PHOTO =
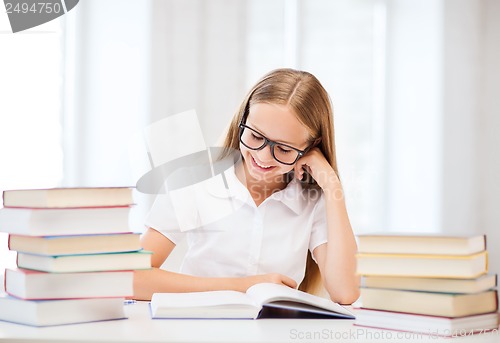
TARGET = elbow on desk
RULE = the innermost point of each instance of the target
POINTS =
(346, 297)
(343, 291)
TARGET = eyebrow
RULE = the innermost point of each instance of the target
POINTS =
(282, 142)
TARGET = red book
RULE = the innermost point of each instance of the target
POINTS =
(67, 221)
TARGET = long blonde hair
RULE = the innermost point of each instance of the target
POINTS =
(309, 101)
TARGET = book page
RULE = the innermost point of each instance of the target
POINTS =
(265, 293)
(201, 299)
(212, 304)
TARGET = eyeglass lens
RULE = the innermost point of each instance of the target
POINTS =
(255, 141)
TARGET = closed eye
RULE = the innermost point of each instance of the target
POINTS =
(283, 150)
(256, 137)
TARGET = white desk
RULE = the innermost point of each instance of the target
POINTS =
(140, 328)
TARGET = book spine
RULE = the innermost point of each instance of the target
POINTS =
(496, 300)
(70, 207)
(422, 256)
(429, 276)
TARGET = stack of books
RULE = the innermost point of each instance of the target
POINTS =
(432, 284)
(75, 255)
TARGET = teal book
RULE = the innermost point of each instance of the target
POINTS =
(85, 263)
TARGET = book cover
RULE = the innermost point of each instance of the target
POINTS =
(85, 263)
(75, 244)
(430, 325)
(419, 243)
(74, 221)
(429, 303)
(34, 285)
(440, 285)
(59, 312)
(437, 266)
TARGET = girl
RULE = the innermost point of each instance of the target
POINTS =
(292, 226)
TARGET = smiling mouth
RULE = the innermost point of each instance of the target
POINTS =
(261, 167)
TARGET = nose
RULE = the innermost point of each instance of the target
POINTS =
(265, 155)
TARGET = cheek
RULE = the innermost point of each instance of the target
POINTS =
(246, 153)
(244, 150)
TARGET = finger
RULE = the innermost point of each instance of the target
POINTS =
(299, 171)
(288, 281)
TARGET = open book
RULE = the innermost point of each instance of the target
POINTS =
(260, 300)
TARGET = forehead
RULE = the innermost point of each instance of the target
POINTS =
(278, 122)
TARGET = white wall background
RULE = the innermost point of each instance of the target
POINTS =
(30, 112)
(415, 86)
(487, 124)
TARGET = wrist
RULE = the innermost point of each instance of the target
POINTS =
(328, 181)
(334, 191)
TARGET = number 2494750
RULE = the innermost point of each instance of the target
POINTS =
(34, 8)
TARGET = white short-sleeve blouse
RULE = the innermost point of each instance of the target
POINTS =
(271, 238)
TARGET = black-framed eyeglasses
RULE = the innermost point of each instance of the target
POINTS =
(282, 153)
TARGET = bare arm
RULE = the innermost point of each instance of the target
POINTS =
(336, 258)
(156, 280)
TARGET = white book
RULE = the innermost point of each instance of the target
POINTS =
(421, 243)
(68, 197)
(75, 244)
(286, 301)
(438, 285)
(74, 221)
(59, 312)
(430, 303)
(29, 284)
(85, 263)
(414, 265)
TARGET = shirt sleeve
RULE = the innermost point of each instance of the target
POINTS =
(162, 218)
(319, 230)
